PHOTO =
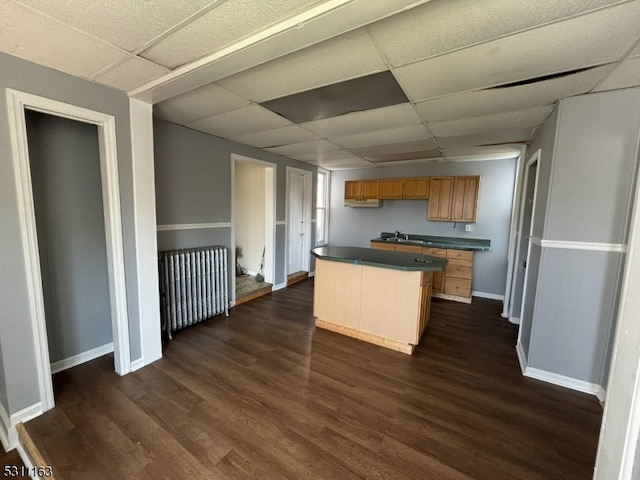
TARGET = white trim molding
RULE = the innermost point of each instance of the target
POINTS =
(567, 382)
(8, 432)
(514, 320)
(81, 358)
(279, 286)
(17, 103)
(536, 241)
(281, 222)
(137, 364)
(192, 226)
(522, 357)
(588, 246)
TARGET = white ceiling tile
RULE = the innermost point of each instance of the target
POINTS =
(228, 22)
(276, 137)
(480, 151)
(382, 137)
(626, 75)
(342, 164)
(504, 136)
(199, 103)
(250, 119)
(345, 57)
(126, 24)
(40, 39)
(491, 123)
(315, 147)
(131, 74)
(441, 26)
(334, 156)
(593, 39)
(404, 147)
(360, 122)
(488, 101)
(635, 52)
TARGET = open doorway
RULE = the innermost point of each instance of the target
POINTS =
(104, 125)
(253, 227)
(299, 185)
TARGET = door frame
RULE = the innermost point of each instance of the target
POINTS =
(269, 214)
(306, 216)
(534, 159)
(17, 103)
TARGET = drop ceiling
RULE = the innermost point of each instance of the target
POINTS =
(342, 83)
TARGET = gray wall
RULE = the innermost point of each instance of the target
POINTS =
(18, 349)
(588, 199)
(65, 172)
(193, 185)
(357, 226)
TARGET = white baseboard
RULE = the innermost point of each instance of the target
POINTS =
(280, 286)
(137, 364)
(522, 357)
(8, 432)
(514, 320)
(567, 382)
(312, 274)
(81, 358)
(490, 296)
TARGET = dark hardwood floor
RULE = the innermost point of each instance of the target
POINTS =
(262, 394)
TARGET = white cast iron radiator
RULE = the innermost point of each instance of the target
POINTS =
(193, 286)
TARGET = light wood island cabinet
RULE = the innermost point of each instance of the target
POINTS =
(386, 306)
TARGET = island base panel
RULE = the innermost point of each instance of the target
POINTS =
(366, 337)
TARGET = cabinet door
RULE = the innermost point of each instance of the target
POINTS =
(465, 199)
(440, 198)
(415, 188)
(425, 303)
(352, 189)
(391, 188)
(370, 189)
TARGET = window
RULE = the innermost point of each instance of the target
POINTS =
(322, 207)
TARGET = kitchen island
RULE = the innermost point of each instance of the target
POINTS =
(378, 296)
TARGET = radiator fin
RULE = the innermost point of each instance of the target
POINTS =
(193, 286)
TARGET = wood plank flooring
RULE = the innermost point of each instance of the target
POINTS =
(262, 394)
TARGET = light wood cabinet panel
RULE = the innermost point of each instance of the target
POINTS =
(425, 302)
(391, 188)
(458, 287)
(352, 189)
(440, 198)
(464, 205)
(383, 246)
(370, 189)
(361, 189)
(459, 269)
(415, 188)
(409, 248)
(460, 254)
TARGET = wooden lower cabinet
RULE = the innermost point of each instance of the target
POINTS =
(454, 283)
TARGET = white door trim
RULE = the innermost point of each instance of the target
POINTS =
(535, 158)
(17, 102)
(306, 212)
(270, 219)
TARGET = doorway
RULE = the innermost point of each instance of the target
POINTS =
(253, 227)
(527, 260)
(18, 103)
(298, 224)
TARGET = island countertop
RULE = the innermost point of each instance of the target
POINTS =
(452, 243)
(380, 258)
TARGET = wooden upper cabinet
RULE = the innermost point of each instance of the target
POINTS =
(454, 199)
(440, 198)
(415, 188)
(370, 189)
(391, 188)
(464, 206)
(352, 189)
(361, 189)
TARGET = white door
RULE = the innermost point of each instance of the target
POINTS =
(295, 223)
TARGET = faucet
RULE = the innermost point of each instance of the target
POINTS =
(397, 234)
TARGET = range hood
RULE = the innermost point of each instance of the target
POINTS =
(373, 202)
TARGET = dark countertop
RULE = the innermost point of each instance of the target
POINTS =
(380, 258)
(454, 243)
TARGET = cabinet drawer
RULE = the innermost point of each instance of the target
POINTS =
(459, 269)
(460, 254)
(409, 248)
(435, 252)
(383, 246)
(460, 287)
